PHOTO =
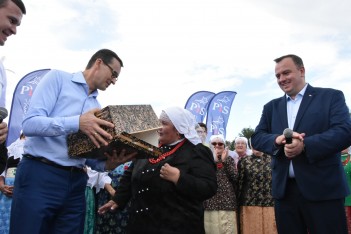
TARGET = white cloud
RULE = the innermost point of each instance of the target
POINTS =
(174, 48)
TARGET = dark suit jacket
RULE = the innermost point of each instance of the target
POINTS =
(324, 117)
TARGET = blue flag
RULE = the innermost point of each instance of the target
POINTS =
(20, 102)
(218, 113)
(197, 104)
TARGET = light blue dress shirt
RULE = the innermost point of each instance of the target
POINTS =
(56, 105)
(3, 84)
(293, 106)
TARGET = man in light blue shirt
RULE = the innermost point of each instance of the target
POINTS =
(49, 194)
(292, 107)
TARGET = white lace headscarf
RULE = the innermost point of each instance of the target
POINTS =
(220, 137)
(244, 139)
(216, 138)
(184, 121)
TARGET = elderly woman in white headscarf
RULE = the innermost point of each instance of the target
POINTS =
(254, 193)
(167, 193)
(242, 149)
(220, 210)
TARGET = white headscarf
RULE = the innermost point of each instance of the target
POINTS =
(213, 138)
(244, 139)
(220, 137)
(184, 121)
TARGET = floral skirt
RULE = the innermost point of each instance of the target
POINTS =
(5, 203)
(112, 222)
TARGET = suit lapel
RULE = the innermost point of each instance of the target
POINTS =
(283, 112)
(306, 100)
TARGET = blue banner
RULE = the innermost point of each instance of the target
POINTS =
(198, 103)
(218, 113)
(20, 102)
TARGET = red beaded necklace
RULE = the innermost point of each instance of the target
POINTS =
(219, 165)
(219, 162)
(347, 160)
(165, 155)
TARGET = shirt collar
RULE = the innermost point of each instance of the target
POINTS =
(301, 93)
(79, 78)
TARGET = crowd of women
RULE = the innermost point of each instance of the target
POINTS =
(243, 202)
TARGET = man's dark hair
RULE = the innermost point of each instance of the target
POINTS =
(105, 55)
(296, 59)
(18, 3)
(203, 125)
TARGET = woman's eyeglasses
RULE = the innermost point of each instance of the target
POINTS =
(217, 143)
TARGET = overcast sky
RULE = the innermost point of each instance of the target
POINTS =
(173, 48)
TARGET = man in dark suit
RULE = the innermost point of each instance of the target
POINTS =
(308, 181)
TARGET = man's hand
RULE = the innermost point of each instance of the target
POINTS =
(170, 173)
(114, 160)
(109, 206)
(90, 125)
(296, 147)
(3, 132)
(280, 140)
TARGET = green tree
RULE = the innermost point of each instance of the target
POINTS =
(247, 132)
(230, 145)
